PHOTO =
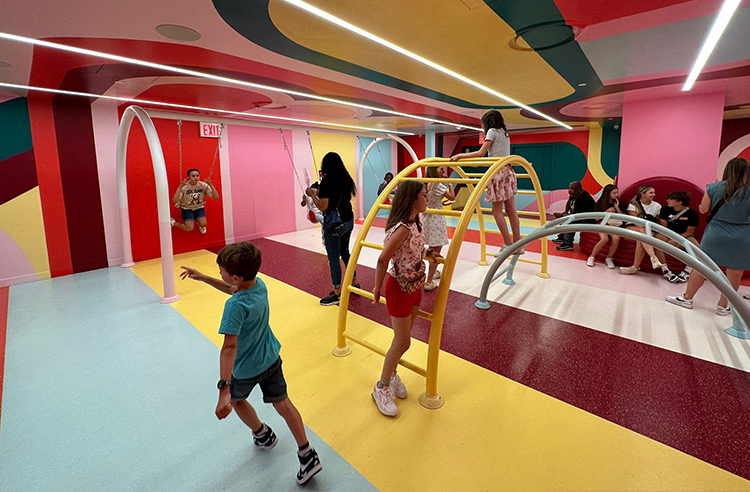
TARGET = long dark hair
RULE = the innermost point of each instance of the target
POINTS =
(603, 203)
(403, 204)
(737, 177)
(493, 119)
(333, 170)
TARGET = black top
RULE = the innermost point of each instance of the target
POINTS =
(688, 219)
(581, 204)
(337, 195)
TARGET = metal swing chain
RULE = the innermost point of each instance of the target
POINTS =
(283, 138)
(179, 143)
(216, 152)
(312, 153)
(367, 160)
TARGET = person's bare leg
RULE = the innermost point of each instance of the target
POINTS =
(613, 246)
(603, 238)
(247, 414)
(187, 226)
(293, 419)
(497, 212)
(399, 346)
(639, 254)
(512, 213)
(693, 284)
(735, 278)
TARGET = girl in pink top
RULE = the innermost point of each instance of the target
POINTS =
(404, 244)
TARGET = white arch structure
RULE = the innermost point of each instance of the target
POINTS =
(162, 197)
(360, 177)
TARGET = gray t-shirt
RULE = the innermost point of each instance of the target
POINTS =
(500, 142)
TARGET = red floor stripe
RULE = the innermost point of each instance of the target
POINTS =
(691, 405)
(4, 291)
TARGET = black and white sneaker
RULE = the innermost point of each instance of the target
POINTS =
(557, 240)
(266, 438)
(671, 277)
(330, 300)
(309, 466)
(565, 247)
(682, 277)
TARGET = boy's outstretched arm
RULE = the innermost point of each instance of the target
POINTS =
(226, 362)
(213, 282)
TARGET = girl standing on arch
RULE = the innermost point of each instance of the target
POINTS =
(190, 198)
(503, 187)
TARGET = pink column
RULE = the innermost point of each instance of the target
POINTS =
(677, 136)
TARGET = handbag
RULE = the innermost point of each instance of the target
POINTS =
(412, 282)
(713, 212)
(332, 223)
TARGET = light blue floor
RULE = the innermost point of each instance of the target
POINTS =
(105, 389)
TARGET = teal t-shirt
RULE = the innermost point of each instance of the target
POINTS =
(246, 315)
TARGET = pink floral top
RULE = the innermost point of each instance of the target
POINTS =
(408, 256)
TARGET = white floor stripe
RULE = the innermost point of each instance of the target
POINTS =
(632, 306)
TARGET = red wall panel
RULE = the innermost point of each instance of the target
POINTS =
(197, 153)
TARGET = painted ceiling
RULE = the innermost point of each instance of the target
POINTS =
(575, 60)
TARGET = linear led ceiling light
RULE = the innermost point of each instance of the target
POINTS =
(194, 73)
(199, 108)
(720, 24)
(342, 23)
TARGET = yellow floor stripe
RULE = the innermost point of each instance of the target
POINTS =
(491, 434)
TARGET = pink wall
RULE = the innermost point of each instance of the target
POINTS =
(677, 137)
(263, 184)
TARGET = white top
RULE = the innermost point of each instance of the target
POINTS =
(652, 208)
(500, 142)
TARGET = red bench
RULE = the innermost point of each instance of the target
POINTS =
(626, 250)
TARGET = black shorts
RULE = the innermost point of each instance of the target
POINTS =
(271, 383)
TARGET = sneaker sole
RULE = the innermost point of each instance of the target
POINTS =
(330, 303)
(677, 303)
(315, 470)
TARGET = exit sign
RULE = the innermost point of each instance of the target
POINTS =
(210, 130)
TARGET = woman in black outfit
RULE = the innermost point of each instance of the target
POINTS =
(336, 191)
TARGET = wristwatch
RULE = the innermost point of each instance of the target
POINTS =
(222, 383)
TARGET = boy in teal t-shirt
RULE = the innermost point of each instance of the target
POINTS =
(250, 353)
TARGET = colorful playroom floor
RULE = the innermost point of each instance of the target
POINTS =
(588, 380)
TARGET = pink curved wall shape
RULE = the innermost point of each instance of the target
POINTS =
(676, 136)
(262, 183)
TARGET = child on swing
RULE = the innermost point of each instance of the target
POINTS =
(503, 187)
(405, 245)
(190, 198)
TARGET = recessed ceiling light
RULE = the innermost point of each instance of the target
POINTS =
(350, 27)
(197, 108)
(582, 84)
(194, 73)
(178, 33)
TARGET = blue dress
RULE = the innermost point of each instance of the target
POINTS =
(727, 236)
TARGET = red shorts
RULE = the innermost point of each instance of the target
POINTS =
(400, 304)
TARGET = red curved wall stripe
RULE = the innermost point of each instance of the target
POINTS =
(50, 184)
(197, 152)
(80, 183)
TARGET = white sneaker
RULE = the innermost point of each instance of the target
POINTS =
(680, 301)
(428, 286)
(746, 296)
(397, 386)
(202, 229)
(172, 221)
(655, 263)
(590, 261)
(500, 251)
(437, 274)
(631, 270)
(384, 400)
(723, 311)
(610, 264)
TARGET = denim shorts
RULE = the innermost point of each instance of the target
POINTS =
(192, 214)
(271, 382)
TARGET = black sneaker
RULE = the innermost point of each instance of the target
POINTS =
(309, 466)
(357, 286)
(565, 247)
(330, 300)
(267, 440)
(557, 240)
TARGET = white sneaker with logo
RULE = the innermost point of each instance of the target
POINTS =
(397, 386)
(590, 261)
(202, 229)
(384, 400)
(610, 264)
